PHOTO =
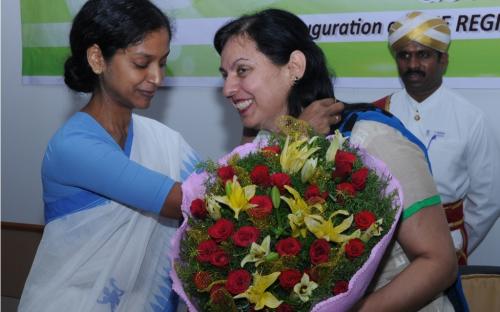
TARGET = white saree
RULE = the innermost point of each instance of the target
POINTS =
(112, 257)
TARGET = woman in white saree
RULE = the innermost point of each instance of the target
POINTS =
(110, 176)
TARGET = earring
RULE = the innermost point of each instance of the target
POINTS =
(296, 80)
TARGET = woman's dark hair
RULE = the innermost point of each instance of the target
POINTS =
(277, 34)
(112, 25)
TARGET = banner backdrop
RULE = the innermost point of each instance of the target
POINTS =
(353, 35)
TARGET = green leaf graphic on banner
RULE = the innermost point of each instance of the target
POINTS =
(44, 11)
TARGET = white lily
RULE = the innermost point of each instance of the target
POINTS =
(305, 288)
(335, 144)
(258, 253)
(308, 169)
(213, 208)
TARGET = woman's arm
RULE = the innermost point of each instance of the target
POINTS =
(80, 159)
(426, 240)
(423, 234)
(172, 206)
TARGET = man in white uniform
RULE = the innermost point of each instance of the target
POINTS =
(453, 130)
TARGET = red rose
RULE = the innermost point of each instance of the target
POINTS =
(219, 258)
(272, 149)
(284, 307)
(225, 173)
(238, 281)
(354, 248)
(246, 235)
(346, 188)
(364, 219)
(288, 247)
(280, 180)
(343, 164)
(202, 279)
(264, 206)
(198, 209)
(314, 195)
(312, 191)
(205, 249)
(260, 176)
(340, 287)
(289, 277)
(221, 230)
(358, 178)
(319, 251)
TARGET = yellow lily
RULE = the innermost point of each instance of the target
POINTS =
(322, 228)
(305, 288)
(257, 293)
(335, 144)
(295, 153)
(300, 209)
(213, 208)
(258, 253)
(237, 197)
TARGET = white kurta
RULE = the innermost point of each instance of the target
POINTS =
(461, 153)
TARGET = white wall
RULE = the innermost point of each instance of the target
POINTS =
(31, 114)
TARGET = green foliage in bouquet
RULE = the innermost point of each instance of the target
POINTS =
(283, 227)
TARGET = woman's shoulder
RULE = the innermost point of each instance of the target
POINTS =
(78, 126)
(78, 134)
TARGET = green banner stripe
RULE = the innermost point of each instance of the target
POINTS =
(196, 61)
(44, 61)
(468, 58)
(480, 57)
(373, 59)
(45, 11)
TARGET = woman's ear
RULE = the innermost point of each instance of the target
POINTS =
(95, 59)
(297, 64)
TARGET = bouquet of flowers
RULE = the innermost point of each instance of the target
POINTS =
(293, 223)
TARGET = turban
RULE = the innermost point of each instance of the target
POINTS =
(429, 31)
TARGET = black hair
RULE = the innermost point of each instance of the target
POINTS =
(112, 25)
(277, 33)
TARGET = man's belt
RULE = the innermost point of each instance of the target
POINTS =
(455, 216)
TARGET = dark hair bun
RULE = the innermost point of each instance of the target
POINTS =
(78, 75)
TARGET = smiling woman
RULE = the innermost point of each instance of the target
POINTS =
(272, 47)
(269, 69)
(109, 176)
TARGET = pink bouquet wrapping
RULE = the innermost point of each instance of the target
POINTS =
(290, 224)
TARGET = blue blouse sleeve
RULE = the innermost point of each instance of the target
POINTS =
(89, 161)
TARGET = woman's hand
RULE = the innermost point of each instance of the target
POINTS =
(321, 114)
